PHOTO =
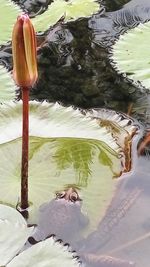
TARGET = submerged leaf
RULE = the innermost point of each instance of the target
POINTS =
(70, 10)
(8, 13)
(131, 54)
(46, 253)
(14, 233)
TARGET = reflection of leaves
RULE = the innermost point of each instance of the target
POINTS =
(77, 153)
(105, 159)
(105, 260)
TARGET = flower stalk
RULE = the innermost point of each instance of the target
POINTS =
(25, 149)
(25, 75)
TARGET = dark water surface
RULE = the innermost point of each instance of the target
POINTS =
(74, 69)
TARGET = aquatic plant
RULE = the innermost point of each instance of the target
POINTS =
(25, 75)
(48, 252)
(12, 10)
(14, 231)
(58, 127)
(72, 9)
(68, 147)
(8, 90)
(130, 55)
(69, 10)
(60, 138)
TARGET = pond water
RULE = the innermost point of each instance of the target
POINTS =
(75, 69)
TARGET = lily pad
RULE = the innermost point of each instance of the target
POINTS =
(14, 233)
(67, 148)
(46, 253)
(53, 166)
(8, 14)
(52, 120)
(7, 85)
(130, 55)
(70, 10)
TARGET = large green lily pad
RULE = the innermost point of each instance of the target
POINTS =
(56, 163)
(131, 54)
(67, 148)
(8, 14)
(14, 234)
(70, 10)
(7, 85)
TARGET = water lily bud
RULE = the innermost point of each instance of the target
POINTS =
(24, 52)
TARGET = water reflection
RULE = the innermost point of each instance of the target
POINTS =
(141, 109)
(131, 236)
(107, 27)
(74, 68)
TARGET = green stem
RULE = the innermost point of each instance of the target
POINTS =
(25, 149)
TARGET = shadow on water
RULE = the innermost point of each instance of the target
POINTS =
(74, 68)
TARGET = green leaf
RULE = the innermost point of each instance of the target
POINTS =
(14, 233)
(52, 120)
(49, 172)
(46, 253)
(7, 86)
(81, 8)
(70, 10)
(8, 14)
(104, 159)
(67, 148)
(131, 54)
